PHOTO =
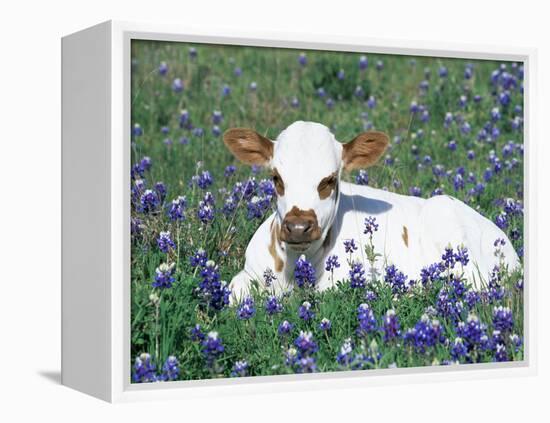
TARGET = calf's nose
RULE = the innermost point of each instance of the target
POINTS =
(298, 228)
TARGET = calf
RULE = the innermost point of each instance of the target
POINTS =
(317, 212)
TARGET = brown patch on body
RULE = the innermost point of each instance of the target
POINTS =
(300, 226)
(405, 236)
(326, 185)
(278, 182)
(278, 261)
(248, 146)
(364, 150)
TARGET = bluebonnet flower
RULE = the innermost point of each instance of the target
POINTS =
(217, 117)
(149, 201)
(198, 132)
(449, 258)
(458, 349)
(471, 155)
(196, 334)
(229, 171)
(468, 71)
(302, 59)
(216, 131)
(501, 220)
(212, 289)
(273, 305)
(332, 263)
(370, 295)
(305, 343)
(465, 128)
(212, 347)
(160, 189)
(462, 101)
(325, 324)
(341, 74)
(285, 327)
(396, 279)
(269, 277)
(425, 116)
(367, 320)
(349, 245)
(448, 120)
(371, 102)
(516, 342)
(240, 369)
(253, 86)
(170, 369)
(363, 62)
(357, 275)
(500, 353)
(345, 356)
(473, 332)
(416, 191)
(177, 208)
(305, 364)
(136, 226)
(504, 98)
(192, 52)
(164, 276)
(443, 72)
(177, 85)
(295, 102)
(503, 319)
(425, 334)
(203, 180)
(414, 108)
(431, 273)
(184, 120)
(359, 92)
(362, 178)
(447, 305)
(329, 103)
(246, 309)
(237, 71)
(451, 145)
(379, 65)
(304, 273)
(198, 258)
(137, 131)
(144, 369)
(305, 312)
(258, 206)
(472, 298)
(461, 256)
(370, 225)
(391, 326)
(164, 242)
(205, 212)
(226, 90)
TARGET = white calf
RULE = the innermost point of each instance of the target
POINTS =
(316, 212)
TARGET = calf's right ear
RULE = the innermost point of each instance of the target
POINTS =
(364, 150)
(248, 146)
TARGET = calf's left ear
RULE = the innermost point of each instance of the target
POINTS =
(364, 150)
(248, 146)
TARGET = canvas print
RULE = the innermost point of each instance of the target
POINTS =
(301, 211)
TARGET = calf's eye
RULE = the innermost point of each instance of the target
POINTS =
(278, 183)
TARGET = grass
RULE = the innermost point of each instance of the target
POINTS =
(162, 318)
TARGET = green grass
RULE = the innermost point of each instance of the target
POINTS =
(163, 330)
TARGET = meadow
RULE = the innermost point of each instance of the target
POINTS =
(456, 128)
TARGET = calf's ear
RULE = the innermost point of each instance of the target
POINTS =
(248, 146)
(364, 150)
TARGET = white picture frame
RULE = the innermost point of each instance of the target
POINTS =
(96, 210)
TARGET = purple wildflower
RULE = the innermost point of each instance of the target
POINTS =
(304, 273)
(164, 276)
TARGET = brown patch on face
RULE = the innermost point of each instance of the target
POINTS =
(326, 185)
(300, 227)
(273, 250)
(248, 146)
(405, 236)
(364, 150)
(278, 182)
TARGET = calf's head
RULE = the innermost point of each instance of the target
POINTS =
(306, 162)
